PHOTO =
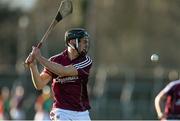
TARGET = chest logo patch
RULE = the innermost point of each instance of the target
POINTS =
(66, 79)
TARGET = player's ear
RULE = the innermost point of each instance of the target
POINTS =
(72, 41)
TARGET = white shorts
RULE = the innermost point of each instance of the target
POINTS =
(67, 115)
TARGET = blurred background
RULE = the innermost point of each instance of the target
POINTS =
(124, 35)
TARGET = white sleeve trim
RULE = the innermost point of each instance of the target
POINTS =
(83, 64)
(170, 85)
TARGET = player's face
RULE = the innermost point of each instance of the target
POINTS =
(84, 44)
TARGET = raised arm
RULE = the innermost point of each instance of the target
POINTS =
(159, 102)
(58, 69)
(55, 68)
(39, 80)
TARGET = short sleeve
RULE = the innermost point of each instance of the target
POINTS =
(84, 67)
(169, 88)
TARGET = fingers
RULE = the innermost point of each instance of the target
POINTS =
(35, 53)
(29, 59)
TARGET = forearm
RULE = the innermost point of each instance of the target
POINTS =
(36, 78)
(52, 66)
(158, 101)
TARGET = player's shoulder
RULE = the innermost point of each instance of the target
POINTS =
(173, 83)
(86, 61)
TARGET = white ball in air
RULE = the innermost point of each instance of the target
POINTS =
(154, 57)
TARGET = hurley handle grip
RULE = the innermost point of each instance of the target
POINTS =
(39, 45)
(27, 63)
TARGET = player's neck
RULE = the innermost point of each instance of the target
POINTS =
(72, 53)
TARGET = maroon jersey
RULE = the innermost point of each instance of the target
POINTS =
(172, 107)
(70, 92)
